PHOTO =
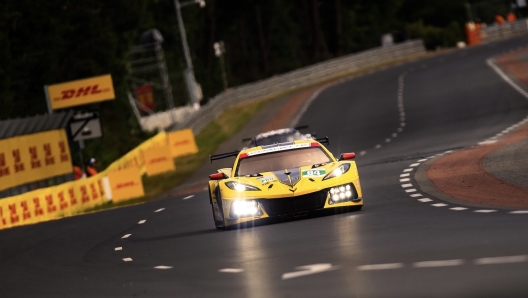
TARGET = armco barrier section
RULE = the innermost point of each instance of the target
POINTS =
(300, 78)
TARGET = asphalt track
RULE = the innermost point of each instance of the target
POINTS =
(395, 247)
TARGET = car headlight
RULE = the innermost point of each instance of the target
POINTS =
(245, 208)
(342, 193)
(240, 186)
(338, 172)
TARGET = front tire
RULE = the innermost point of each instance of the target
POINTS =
(219, 218)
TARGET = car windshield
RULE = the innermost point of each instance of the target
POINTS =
(274, 139)
(281, 160)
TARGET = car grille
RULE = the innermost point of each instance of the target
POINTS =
(307, 202)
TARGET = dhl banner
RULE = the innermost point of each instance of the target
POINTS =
(158, 160)
(126, 184)
(34, 157)
(182, 142)
(81, 92)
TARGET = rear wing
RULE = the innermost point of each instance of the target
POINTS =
(324, 140)
(223, 155)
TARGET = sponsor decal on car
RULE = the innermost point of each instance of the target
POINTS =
(278, 148)
(313, 173)
(265, 180)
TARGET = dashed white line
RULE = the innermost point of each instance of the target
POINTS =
(387, 140)
(410, 190)
(118, 248)
(488, 142)
(416, 195)
(422, 160)
(458, 208)
(380, 266)
(163, 267)
(378, 146)
(405, 175)
(142, 222)
(501, 260)
(407, 185)
(408, 170)
(405, 180)
(308, 270)
(425, 200)
(231, 270)
(159, 210)
(394, 135)
(485, 211)
(127, 259)
(443, 263)
(519, 212)
(415, 164)
(188, 197)
(126, 236)
(439, 205)
(362, 153)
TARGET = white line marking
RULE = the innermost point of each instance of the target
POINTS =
(405, 180)
(425, 200)
(380, 266)
(362, 153)
(506, 78)
(485, 211)
(407, 185)
(377, 146)
(163, 267)
(404, 175)
(519, 212)
(231, 270)
(439, 205)
(126, 236)
(118, 248)
(415, 195)
(422, 160)
(159, 210)
(308, 270)
(399, 129)
(142, 222)
(402, 124)
(458, 208)
(501, 260)
(415, 164)
(408, 170)
(488, 142)
(387, 140)
(444, 263)
(394, 135)
(410, 190)
(188, 197)
(127, 259)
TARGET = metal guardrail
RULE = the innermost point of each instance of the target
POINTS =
(504, 31)
(299, 78)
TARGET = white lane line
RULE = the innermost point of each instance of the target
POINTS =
(188, 197)
(380, 266)
(439, 205)
(394, 135)
(407, 185)
(126, 236)
(399, 129)
(422, 160)
(410, 190)
(488, 142)
(378, 146)
(142, 222)
(408, 170)
(163, 267)
(127, 259)
(231, 270)
(415, 164)
(485, 211)
(362, 153)
(308, 270)
(458, 208)
(387, 140)
(405, 175)
(405, 180)
(118, 248)
(443, 263)
(425, 200)
(501, 260)
(415, 195)
(506, 78)
(519, 212)
(159, 210)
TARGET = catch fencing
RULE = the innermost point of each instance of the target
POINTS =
(504, 31)
(300, 78)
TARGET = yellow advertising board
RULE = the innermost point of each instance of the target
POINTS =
(158, 160)
(34, 157)
(81, 92)
(182, 142)
(126, 184)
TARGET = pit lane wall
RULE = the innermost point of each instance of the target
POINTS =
(121, 181)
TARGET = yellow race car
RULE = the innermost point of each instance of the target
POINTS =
(281, 180)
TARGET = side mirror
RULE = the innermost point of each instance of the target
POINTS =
(347, 156)
(218, 176)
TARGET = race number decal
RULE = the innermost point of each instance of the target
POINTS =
(313, 173)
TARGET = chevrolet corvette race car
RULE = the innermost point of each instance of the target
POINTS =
(281, 180)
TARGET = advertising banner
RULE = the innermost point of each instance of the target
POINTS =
(81, 92)
(34, 157)
(158, 160)
(126, 184)
(182, 142)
